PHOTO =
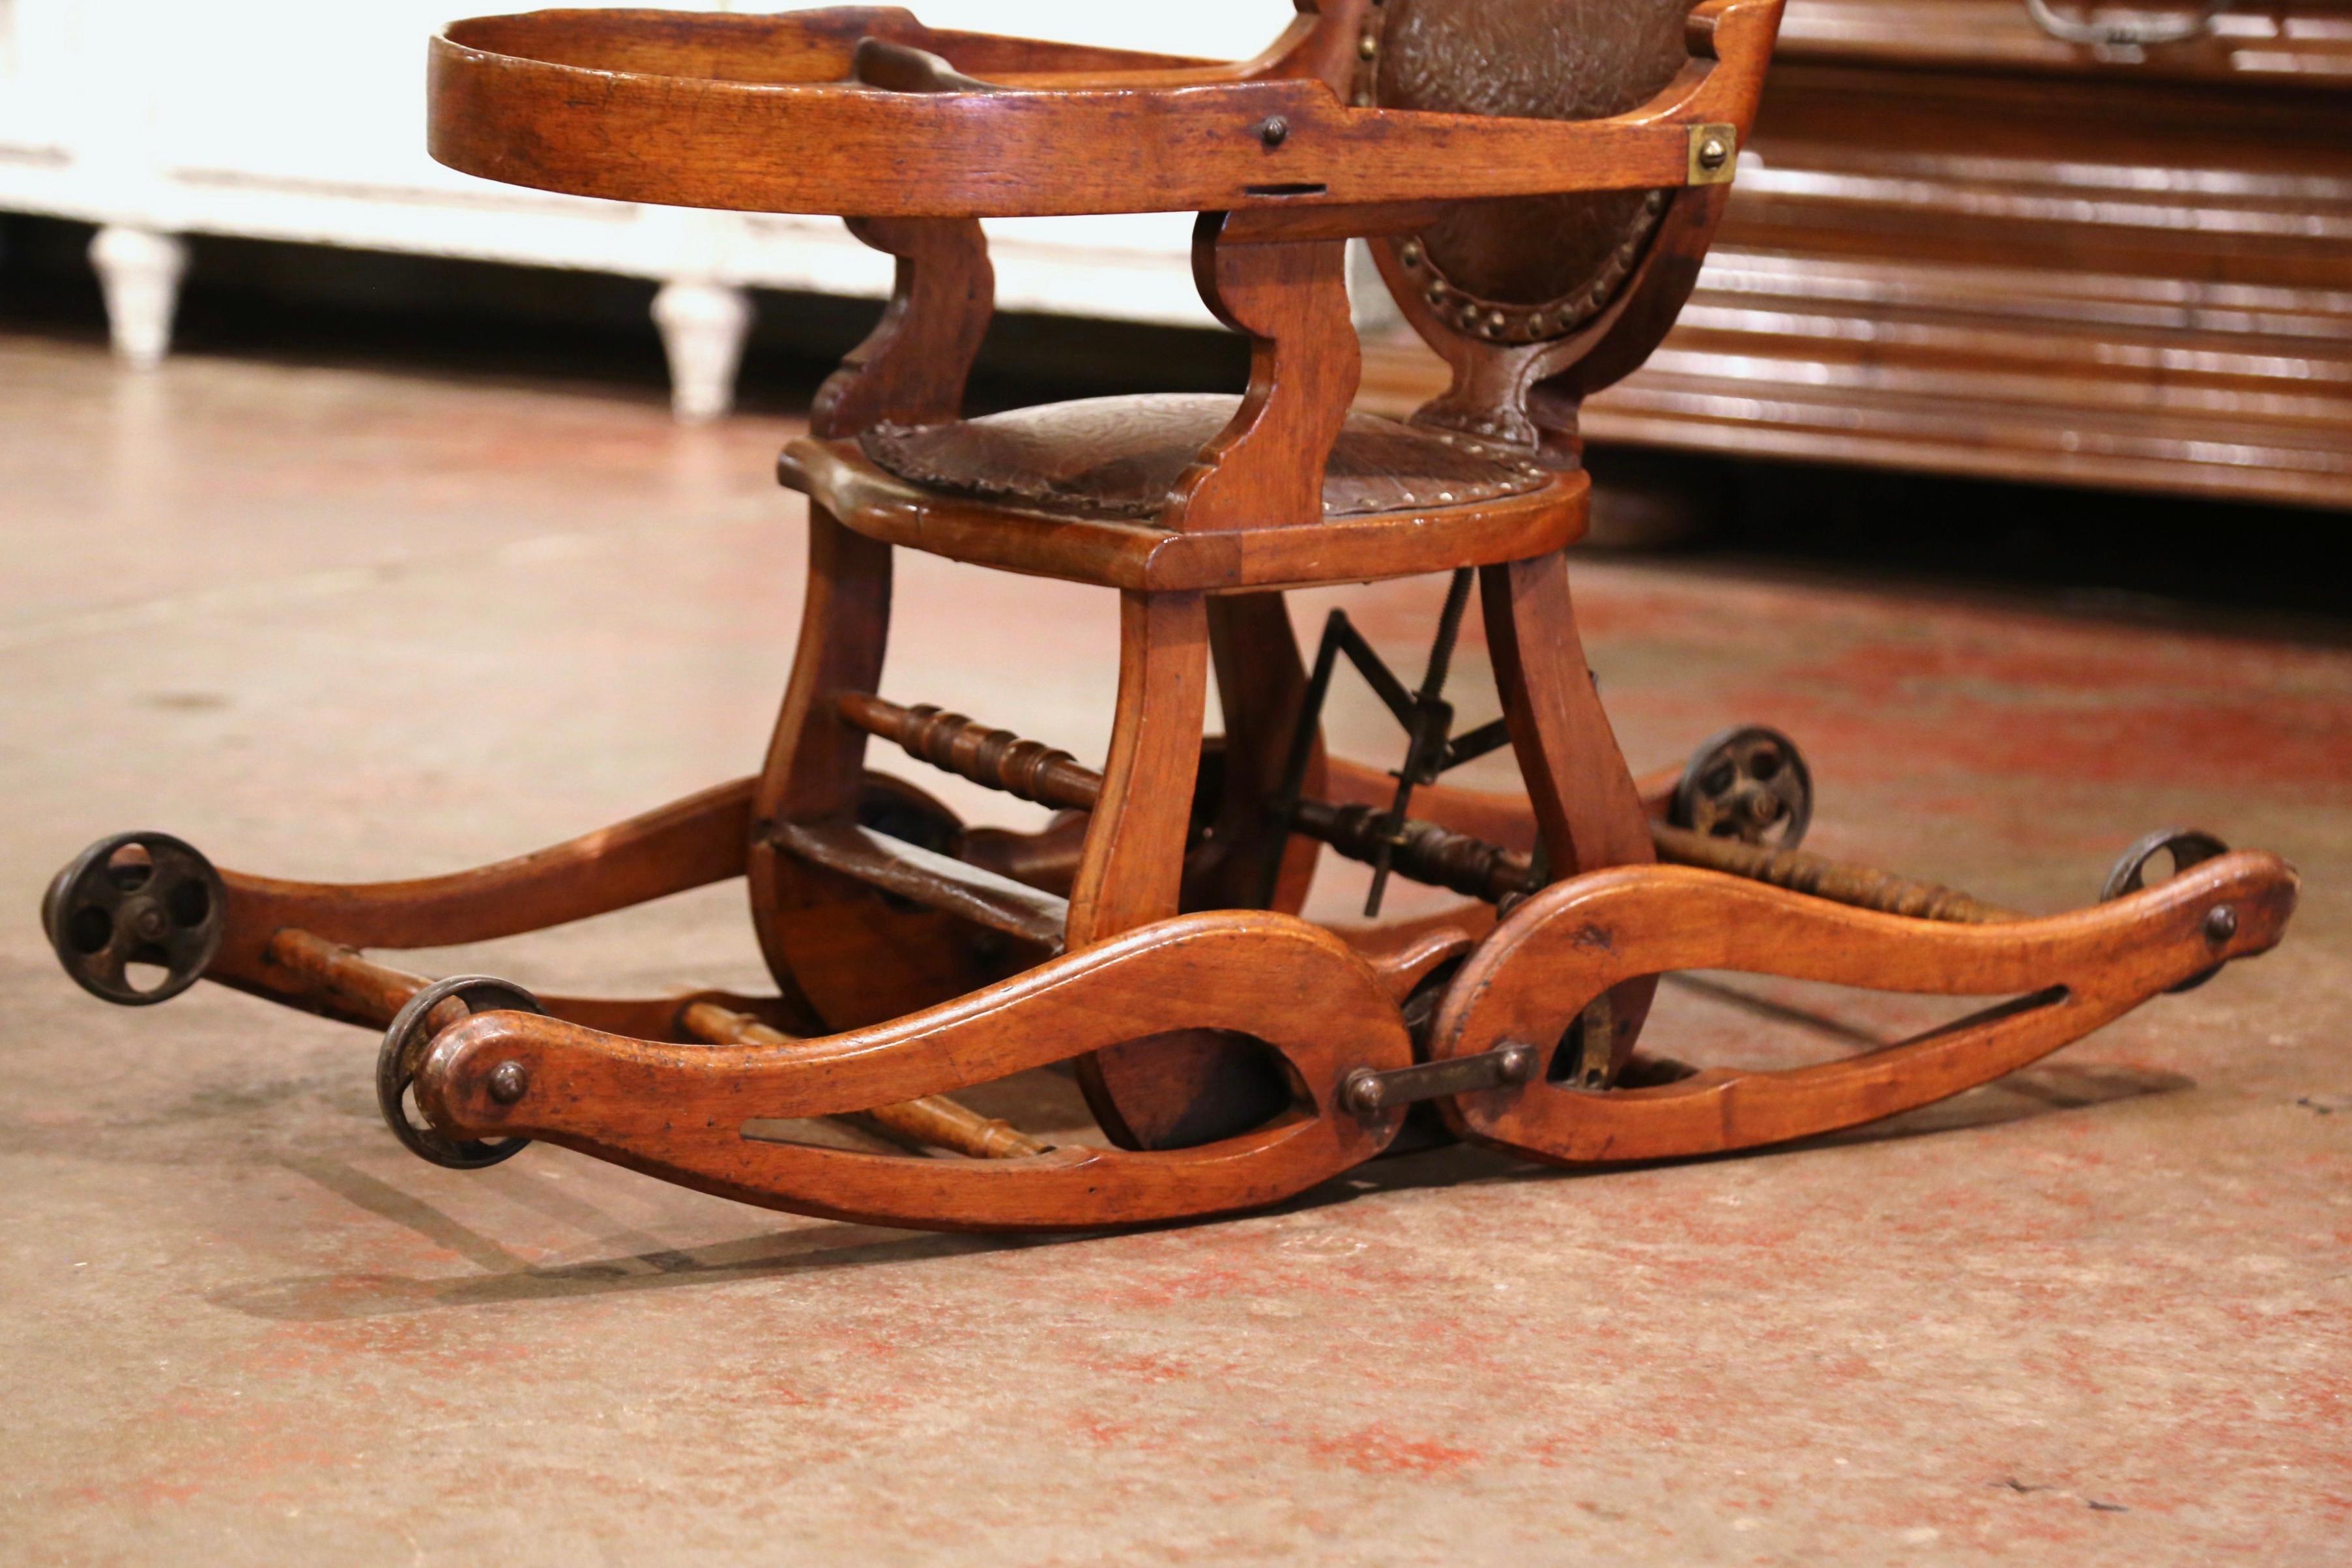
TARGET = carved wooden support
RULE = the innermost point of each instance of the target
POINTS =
(912, 366)
(1290, 298)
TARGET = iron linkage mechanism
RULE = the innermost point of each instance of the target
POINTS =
(1431, 749)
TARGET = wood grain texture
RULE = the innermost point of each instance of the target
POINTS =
(933, 1122)
(1588, 813)
(1146, 557)
(676, 1112)
(689, 843)
(913, 366)
(1290, 299)
(931, 879)
(1132, 870)
(306, 971)
(1262, 687)
(687, 111)
(1570, 943)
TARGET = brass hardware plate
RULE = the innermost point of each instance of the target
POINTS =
(1714, 155)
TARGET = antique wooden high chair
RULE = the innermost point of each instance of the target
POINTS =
(1538, 180)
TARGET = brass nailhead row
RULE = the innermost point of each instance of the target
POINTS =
(1556, 319)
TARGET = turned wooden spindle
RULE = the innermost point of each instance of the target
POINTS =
(934, 1121)
(1840, 881)
(1442, 857)
(997, 758)
(1421, 850)
(1424, 851)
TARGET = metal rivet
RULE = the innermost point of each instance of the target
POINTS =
(508, 1081)
(1713, 154)
(1275, 131)
(2220, 923)
(1445, 498)
(1411, 253)
(1362, 100)
(1519, 1064)
(1368, 46)
(1361, 1092)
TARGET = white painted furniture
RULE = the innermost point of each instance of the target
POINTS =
(303, 120)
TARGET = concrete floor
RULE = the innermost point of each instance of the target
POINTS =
(345, 625)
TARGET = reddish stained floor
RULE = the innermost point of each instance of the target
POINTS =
(345, 625)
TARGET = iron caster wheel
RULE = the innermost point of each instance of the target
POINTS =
(145, 899)
(404, 1045)
(1750, 784)
(2187, 847)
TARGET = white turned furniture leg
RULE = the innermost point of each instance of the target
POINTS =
(703, 326)
(139, 269)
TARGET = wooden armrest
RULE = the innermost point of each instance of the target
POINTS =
(765, 114)
(814, 45)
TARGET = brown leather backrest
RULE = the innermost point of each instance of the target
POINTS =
(1527, 269)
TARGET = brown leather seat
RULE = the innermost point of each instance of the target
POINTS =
(1120, 458)
(1086, 490)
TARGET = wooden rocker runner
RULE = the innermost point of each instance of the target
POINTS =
(1538, 180)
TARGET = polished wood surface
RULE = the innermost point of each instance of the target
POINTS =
(1235, 1054)
(2073, 972)
(680, 1112)
(763, 114)
(1113, 553)
(1963, 247)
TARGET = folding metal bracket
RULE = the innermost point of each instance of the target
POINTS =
(1431, 748)
(1368, 1093)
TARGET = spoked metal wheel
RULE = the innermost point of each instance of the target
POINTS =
(1750, 784)
(136, 917)
(411, 1034)
(2183, 847)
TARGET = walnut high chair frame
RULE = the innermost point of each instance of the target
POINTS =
(1540, 212)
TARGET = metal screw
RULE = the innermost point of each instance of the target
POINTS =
(509, 1082)
(1714, 153)
(2220, 923)
(1275, 131)
(149, 923)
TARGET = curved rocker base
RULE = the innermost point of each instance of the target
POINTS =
(680, 1112)
(669, 1085)
(2071, 974)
